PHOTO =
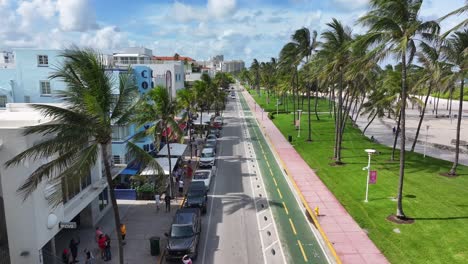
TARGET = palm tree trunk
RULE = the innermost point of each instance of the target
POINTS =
(339, 118)
(309, 138)
(422, 117)
(170, 165)
(294, 99)
(400, 214)
(453, 170)
(437, 106)
(360, 107)
(316, 100)
(346, 116)
(397, 133)
(450, 101)
(115, 208)
(368, 124)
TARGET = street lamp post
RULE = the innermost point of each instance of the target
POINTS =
(369, 153)
(277, 105)
(425, 143)
(299, 121)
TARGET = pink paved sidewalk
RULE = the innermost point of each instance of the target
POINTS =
(350, 242)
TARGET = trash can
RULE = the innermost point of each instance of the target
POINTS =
(289, 138)
(154, 246)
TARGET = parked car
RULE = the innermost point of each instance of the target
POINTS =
(184, 235)
(215, 131)
(219, 119)
(197, 196)
(208, 157)
(211, 137)
(203, 176)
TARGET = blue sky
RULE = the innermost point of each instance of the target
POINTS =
(239, 29)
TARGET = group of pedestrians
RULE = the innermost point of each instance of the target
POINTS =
(103, 241)
(70, 254)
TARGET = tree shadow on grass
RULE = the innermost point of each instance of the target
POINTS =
(440, 218)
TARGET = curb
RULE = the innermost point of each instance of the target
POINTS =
(304, 202)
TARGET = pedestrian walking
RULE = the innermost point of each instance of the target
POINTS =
(74, 249)
(89, 258)
(167, 199)
(98, 233)
(186, 259)
(157, 200)
(102, 246)
(189, 170)
(107, 249)
(394, 130)
(181, 187)
(66, 256)
(123, 232)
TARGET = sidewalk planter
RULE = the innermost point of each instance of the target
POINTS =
(154, 246)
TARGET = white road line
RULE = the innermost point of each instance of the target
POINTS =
(265, 194)
(312, 228)
(272, 244)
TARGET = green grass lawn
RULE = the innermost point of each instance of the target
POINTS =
(322, 105)
(438, 204)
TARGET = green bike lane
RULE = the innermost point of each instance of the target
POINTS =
(294, 230)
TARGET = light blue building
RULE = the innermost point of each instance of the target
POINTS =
(24, 78)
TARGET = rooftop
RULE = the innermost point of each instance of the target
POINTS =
(17, 115)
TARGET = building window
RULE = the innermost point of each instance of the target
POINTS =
(71, 186)
(103, 199)
(27, 99)
(45, 88)
(117, 159)
(120, 132)
(42, 60)
(3, 101)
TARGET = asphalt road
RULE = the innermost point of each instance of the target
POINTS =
(230, 229)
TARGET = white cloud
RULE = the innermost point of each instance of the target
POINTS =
(221, 8)
(107, 38)
(350, 5)
(35, 12)
(76, 15)
(185, 13)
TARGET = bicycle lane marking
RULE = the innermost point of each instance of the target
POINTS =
(302, 224)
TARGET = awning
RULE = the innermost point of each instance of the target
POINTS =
(177, 150)
(182, 126)
(206, 118)
(129, 171)
(164, 163)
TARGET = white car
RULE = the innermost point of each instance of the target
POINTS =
(203, 176)
(208, 157)
(218, 119)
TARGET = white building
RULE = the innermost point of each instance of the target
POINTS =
(233, 66)
(28, 228)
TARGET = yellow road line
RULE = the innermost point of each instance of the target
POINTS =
(279, 192)
(302, 250)
(292, 226)
(275, 182)
(271, 172)
(285, 208)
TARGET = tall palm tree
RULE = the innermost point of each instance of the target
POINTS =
(288, 63)
(157, 111)
(393, 27)
(336, 48)
(255, 70)
(201, 98)
(457, 12)
(456, 52)
(82, 133)
(305, 44)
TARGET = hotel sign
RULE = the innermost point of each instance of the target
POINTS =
(68, 225)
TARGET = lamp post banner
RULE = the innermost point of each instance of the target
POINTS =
(373, 177)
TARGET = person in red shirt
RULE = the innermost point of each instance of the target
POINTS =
(102, 244)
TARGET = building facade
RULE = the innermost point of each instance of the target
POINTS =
(28, 228)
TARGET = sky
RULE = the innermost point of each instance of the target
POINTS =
(200, 29)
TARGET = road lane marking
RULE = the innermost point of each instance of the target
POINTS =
(302, 250)
(279, 192)
(244, 123)
(276, 184)
(285, 208)
(292, 226)
(271, 172)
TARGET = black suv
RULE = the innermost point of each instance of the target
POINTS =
(197, 196)
(184, 235)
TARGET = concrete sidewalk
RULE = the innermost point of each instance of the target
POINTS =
(350, 242)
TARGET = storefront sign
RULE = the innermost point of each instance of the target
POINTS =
(68, 225)
(373, 177)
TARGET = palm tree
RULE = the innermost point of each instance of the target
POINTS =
(201, 100)
(458, 11)
(393, 26)
(305, 44)
(255, 70)
(456, 52)
(336, 49)
(157, 111)
(186, 99)
(82, 132)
